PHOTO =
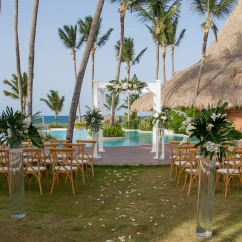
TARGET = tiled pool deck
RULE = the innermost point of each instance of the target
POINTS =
(132, 155)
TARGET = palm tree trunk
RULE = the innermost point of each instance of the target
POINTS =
(24, 105)
(80, 76)
(164, 61)
(31, 57)
(122, 16)
(205, 38)
(93, 63)
(128, 71)
(157, 57)
(55, 118)
(172, 59)
(79, 108)
(18, 67)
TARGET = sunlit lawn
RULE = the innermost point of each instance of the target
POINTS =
(120, 204)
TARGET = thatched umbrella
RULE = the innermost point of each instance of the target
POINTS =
(107, 118)
(221, 78)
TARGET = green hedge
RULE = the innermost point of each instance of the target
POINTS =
(113, 131)
(146, 124)
(132, 124)
(57, 125)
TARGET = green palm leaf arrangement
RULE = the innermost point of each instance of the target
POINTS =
(93, 118)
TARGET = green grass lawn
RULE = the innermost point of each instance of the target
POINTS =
(140, 203)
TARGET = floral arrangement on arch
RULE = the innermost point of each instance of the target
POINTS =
(162, 117)
(15, 127)
(126, 85)
(93, 118)
(213, 130)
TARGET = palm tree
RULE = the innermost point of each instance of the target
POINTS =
(14, 85)
(174, 41)
(159, 14)
(18, 67)
(124, 5)
(99, 41)
(108, 99)
(54, 102)
(210, 9)
(31, 56)
(69, 37)
(80, 76)
(129, 57)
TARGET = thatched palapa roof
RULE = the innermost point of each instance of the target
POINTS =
(107, 118)
(221, 78)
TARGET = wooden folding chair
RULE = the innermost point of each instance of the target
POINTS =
(59, 142)
(88, 157)
(191, 172)
(33, 166)
(46, 154)
(4, 164)
(77, 159)
(62, 164)
(183, 160)
(174, 154)
(231, 169)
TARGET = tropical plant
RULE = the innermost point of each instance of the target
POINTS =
(174, 41)
(31, 57)
(14, 85)
(210, 9)
(113, 131)
(175, 120)
(132, 124)
(159, 14)
(69, 37)
(99, 41)
(93, 118)
(80, 76)
(14, 126)
(213, 130)
(124, 5)
(19, 76)
(54, 102)
(146, 124)
(108, 99)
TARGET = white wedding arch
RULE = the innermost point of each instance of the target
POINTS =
(99, 91)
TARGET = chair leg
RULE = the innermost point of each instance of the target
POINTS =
(171, 167)
(39, 180)
(190, 185)
(53, 183)
(226, 186)
(185, 181)
(72, 183)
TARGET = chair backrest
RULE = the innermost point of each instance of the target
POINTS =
(78, 150)
(62, 156)
(183, 152)
(59, 142)
(90, 144)
(4, 157)
(32, 158)
(173, 148)
(46, 154)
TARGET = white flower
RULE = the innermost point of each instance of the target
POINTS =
(125, 85)
(26, 131)
(189, 128)
(212, 147)
(26, 123)
(210, 126)
(93, 120)
(163, 117)
(181, 113)
(156, 115)
(9, 133)
(135, 86)
(130, 85)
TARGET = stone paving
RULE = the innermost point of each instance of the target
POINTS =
(132, 155)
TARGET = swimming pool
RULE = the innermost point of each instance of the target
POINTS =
(132, 138)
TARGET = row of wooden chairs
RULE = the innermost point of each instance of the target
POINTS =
(186, 159)
(66, 160)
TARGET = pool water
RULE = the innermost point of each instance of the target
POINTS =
(132, 138)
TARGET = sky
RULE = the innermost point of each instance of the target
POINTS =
(54, 65)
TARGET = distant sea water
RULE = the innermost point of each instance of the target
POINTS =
(60, 119)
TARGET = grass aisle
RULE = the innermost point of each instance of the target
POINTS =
(118, 204)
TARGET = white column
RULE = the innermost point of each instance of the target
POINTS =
(95, 134)
(156, 107)
(100, 140)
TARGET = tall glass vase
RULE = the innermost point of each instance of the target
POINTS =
(205, 200)
(16, 182)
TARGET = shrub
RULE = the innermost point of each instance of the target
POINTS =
(57, 125)
(80, 125)
(132, 124)
(45, 136)
(113, 131)
(146, 124)
(175, 120)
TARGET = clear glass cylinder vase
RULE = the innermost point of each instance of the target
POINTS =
(205, 200)
(16, 183)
